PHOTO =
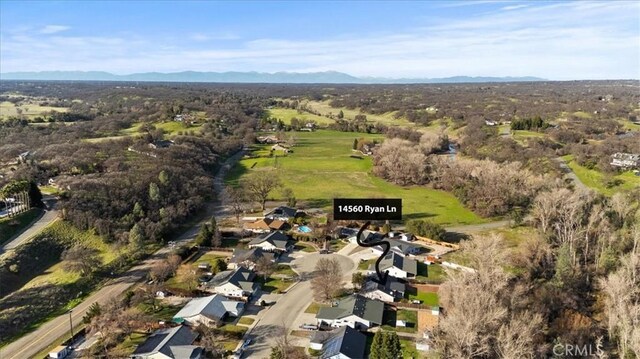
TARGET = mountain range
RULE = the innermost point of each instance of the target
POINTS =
(331, 77)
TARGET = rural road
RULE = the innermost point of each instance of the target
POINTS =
(569, 173)
(48, 333)
(50, 215)
(291, 305)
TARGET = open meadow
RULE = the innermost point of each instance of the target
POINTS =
(321, 168)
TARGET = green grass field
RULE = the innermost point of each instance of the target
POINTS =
(427, 298)
(314, 307)
(598, 181)
(320, 169)
(324, 108)
(286, 114)
(11, 226)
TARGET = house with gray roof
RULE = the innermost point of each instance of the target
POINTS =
(209, 311)
(355, 311)
(249, 257)
(170, 343)
(399, 246)
(237, 283)
(272, 242)
(342, 343)
(282, 213)
(390, 291)
(398, 266)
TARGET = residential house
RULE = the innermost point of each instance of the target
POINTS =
(398, 266)
(279, 147)
(170, 343)
(407, 237)
(391, 291)
(625, 160)
(266, 225)
(161, 144)
(355, 311)
(491, 123)
(401, 247)
(368, 236)
(24, 156)
(268, 139)
(342, 343)
(282, 213)
(272, 242)
(209, 311)
(237, 283)
(249, 257)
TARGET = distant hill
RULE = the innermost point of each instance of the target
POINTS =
(247, 77)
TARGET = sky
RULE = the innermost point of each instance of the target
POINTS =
(413, 39)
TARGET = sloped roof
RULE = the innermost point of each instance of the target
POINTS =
(259, 224)
(214, 306)
(277, 239)
(252, 254)
(240, 277)
(393, 259)
(346, 341)
(283, 211)
(170, 341)
(367, 309)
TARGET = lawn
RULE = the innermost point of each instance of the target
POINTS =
(409, 350)
(598, 181)
(426, 298)
(273, 285)
(314, 307)
(305, 247)
(410, 317)
(433, 274)
(364, 265)
(286, 114)
(320, 168)
(162, 312)
(284, 269)
(11, 226)
(246, 321)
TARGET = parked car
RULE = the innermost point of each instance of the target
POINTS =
(204, 278)
(246, 343)
(309, 327)
(415, 301)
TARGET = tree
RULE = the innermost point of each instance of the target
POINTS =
(385, 345)
(327, 279)
(219, 265)
(93, 311)
(341, 114)
(287, 193)
(138, 212)
(154, 192)
(81, 258)
(161, 271)
(260, 184)
(136, 238)
(265, 267)
(622, 290)
(215, 232)
(427, 229)
(355, 144)
(236, 198)
(210, 340)
(188, 276)
(204, 236)
(163, 177)
(358, 279)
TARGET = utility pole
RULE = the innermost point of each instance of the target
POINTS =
(70, 327)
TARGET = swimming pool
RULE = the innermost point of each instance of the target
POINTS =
(304, 229)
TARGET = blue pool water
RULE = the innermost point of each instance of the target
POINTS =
(304, 229)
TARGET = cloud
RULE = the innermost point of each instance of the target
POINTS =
(569, 40)
(513, 7)
(52, 29)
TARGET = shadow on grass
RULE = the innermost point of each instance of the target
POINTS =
(455, 237)
(419, 215)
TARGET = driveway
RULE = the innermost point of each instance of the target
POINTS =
(289, 309)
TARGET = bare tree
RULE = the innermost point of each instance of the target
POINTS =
(284, 349)
(265, 267)
(482, 318)
(81, 258)
(622, 289)
(210, 341)
(327, 279)
(161, 271)
(259, 185)
(236, 199)
(188, 276)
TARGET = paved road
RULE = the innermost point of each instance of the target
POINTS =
(50, 215)
(48, 333)
(570, 174)
(291, 305)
